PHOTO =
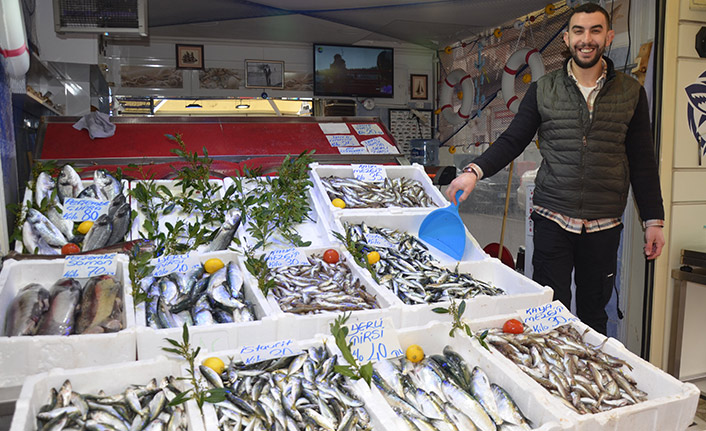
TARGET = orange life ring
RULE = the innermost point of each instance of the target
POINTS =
(458, 76)
(13, 44)
(522, 56)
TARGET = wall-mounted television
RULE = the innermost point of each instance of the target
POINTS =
(345, 70)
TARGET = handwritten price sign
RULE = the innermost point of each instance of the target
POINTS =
(84, 209)
(373, 340)
(342, 140)
(286, 257)
(89, 265)
(262, 352)
(377, 240)
(367, 129)
(165, 265)
(547, 317)
(378, 145)
(370, 173)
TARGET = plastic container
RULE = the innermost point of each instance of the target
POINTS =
(112, 379)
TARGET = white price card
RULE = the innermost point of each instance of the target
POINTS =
(377, 240)
(333, 128)
(378, 145)
(286, 257)
(370, 173)
(546, 317)
(264, 351)
(373, 340)
(89, 265)
(353, 150)
(367, 129)
(84, 209)
(167, 264)
(342, 140)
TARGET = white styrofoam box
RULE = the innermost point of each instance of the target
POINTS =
(112, 379)
(314, 230)
(432, 338)
(220, 336)
(137, 231)
(522, 293)
(299, 327)
(85, 183)
(413, 172)
(408, 223)
(670, 404)
(25, 355)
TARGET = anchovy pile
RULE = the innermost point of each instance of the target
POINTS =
(67, 308)
(442, 393)
(295, 393)
(143, 407)
(393, 192)
(320, 287)
(197, 298)
(411, 272)
(584, 377)
(46, 233)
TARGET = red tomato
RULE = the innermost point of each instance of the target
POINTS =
(513, 326)
(70, 248)
(331, 256)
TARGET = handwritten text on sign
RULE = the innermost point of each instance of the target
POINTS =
(84, 209)
(378, 145)
(262, 352)
(546, 317)
(371, 173)
(89, 265)
(286, 257)
(165, 265)
(342, 140)
(373, 340)
(367, 129)
(352, 150)
(377, 240)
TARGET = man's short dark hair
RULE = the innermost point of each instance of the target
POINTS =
(592, 8)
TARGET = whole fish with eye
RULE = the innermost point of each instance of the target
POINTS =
(224, 236)
(26, 310)
(45, 229)
(138, 407)
(101, 307)
(68, 183)
(60, 318)
(45, 196)
(392, 192)
(120, 224)
(99, 234)
(107, 184)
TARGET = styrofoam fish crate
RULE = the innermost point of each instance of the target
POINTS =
(210, 417)
(29, 196)
(670, 405)
(408, 223)
(413, 172)
(315, 229)
(137, 231)
(110, 378)
(22, 356)
(432, 338)
(299, 327)
(220, 336)
(522, 293)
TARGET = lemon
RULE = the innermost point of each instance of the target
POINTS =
(212, 265)
(338, 203)
(216, 364)
(84, 227)
(414, 353)
(373, 257)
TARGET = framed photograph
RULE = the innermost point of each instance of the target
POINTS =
(264, 74)
(418, 88)
(189, 56)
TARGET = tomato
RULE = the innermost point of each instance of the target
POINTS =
(70, 248)
(513, 326)
(331, 256)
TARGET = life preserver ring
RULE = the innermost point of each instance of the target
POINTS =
(523, 56)
(13, 44)
(458, 76)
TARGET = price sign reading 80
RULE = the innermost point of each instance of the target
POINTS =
(84, 209)
(86, 266)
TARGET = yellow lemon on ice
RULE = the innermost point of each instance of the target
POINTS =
(216, 364)
(414, 353)
(373, 257)
(84, 227)
(212, 265)
(338, 203)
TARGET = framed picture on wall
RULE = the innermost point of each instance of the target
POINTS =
(264, 74)
(189, 56)
(418, 88)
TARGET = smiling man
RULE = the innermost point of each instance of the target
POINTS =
(593, 128)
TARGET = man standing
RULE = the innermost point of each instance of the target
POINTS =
(594, 137)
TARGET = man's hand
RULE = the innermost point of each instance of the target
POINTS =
(466, 182)
(654, 241)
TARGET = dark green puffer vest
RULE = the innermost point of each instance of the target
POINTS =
(584, 171)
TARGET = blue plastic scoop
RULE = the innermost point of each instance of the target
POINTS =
(444, 229)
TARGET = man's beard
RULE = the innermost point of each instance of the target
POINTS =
(587, 64)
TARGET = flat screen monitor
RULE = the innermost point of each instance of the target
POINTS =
(345, 70)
